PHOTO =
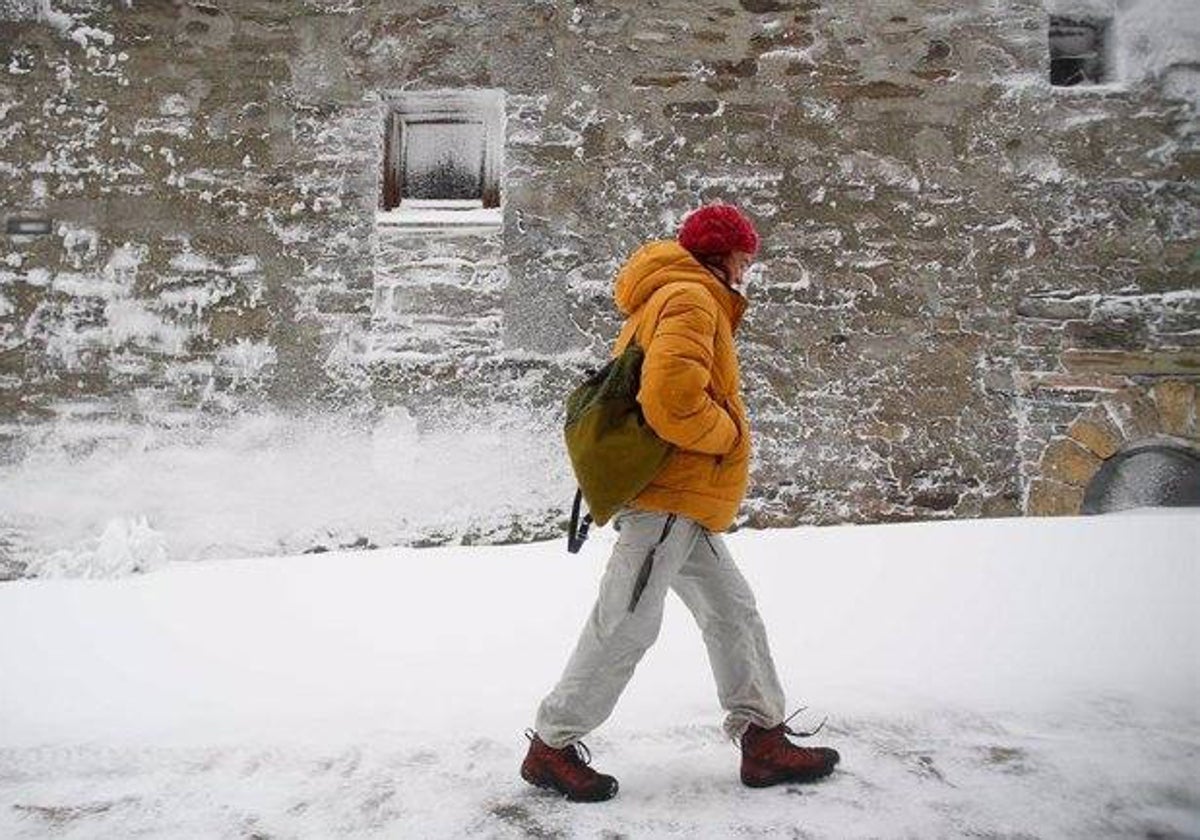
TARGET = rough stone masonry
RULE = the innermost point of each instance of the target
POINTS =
(960, 260)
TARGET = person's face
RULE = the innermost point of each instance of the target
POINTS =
(735, 265)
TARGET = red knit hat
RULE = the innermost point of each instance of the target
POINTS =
(716, 229)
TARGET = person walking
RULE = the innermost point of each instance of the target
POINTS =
(683, 301)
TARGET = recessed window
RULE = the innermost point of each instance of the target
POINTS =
(1078, 51)
(442, 159)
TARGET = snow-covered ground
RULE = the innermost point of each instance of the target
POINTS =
(1015, 678)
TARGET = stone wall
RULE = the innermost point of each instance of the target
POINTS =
(212, 170)
(1102, 373)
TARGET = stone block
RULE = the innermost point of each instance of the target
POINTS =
(1177, 321)
(1045, 383)
(1096, 433)
(936, 74)
(1121, 334)
(1175, 400)
(1002, 504)
(660, 80)
(229, 325)
(1067, 462)
(1050, 498)
(692, 110)
(763, 7)
(743, 69)
(881, 89)
(1132, 363)
(1054, 309)
(784, 39)
(882, 430)
(1181, 340)
(937, 499)
(447, 300)
(14, 361)
(1039, 334)
(1135, 414)
(334, 300)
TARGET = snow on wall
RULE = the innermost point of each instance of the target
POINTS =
(22, 9)
(1161, 39)
(1154, 35)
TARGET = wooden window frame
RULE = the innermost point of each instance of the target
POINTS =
(484, 108)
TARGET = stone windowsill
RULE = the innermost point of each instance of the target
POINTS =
(1101, 90)
(454, 218)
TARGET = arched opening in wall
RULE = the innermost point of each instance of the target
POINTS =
(1151, 474)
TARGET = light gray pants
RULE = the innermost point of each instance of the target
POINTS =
(628, 613)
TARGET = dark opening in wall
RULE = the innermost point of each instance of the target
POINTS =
(442, 150)
(25, 226)
(1150, 475)
(1078, 51)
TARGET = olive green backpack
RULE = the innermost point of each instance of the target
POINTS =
(613, 450)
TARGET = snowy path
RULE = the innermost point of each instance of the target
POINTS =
(990, 679)
(945, 775)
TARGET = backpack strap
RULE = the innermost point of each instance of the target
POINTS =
(577, 532)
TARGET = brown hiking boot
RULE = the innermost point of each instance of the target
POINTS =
(769, 758)
(566, 771)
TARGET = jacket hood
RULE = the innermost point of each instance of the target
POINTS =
(659, 263)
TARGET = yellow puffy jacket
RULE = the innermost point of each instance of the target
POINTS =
(684, 319)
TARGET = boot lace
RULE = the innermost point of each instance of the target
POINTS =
(800, 733)
(583, 756)
(795, 733)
